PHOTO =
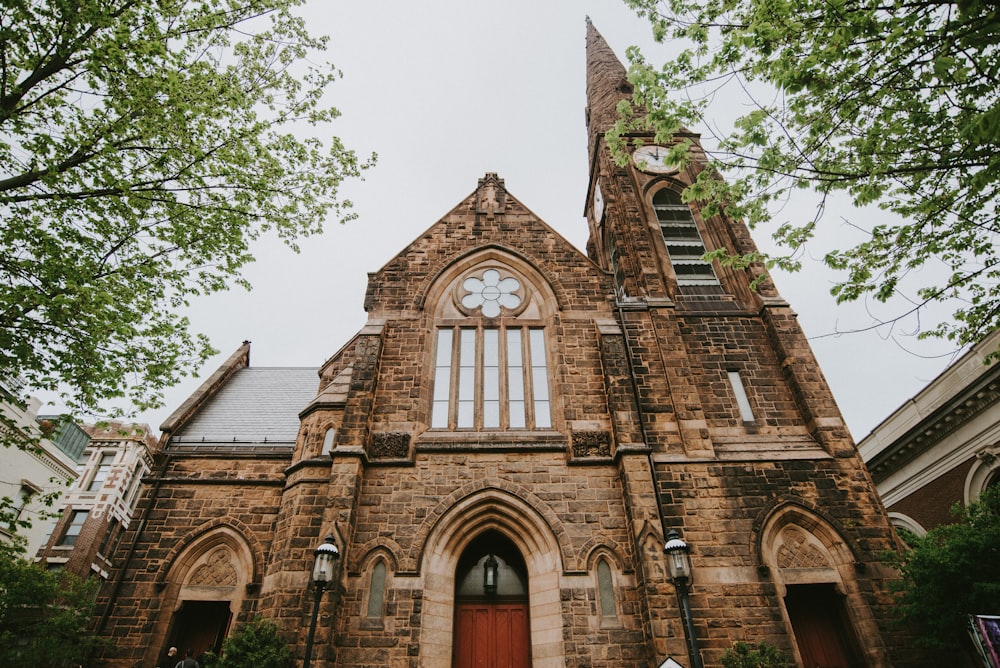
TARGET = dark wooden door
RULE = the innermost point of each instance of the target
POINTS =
(492, 635)
(200, 626)
(821, 627)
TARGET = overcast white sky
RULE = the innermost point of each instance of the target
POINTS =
(444, 91)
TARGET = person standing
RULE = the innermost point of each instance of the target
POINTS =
(169, 659)
(188, 661)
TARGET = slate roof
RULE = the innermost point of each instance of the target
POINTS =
(258, 406)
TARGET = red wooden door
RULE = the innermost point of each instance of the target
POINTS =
(492, 635)
(820, 625)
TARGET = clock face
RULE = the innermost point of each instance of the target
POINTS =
(598, 203)
(650, 158)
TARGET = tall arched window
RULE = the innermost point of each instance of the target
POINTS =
(683, 240)
(491, 369)
(606, 593)
(376, 591)
(985, 472)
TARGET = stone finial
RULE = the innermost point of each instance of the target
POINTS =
(491, 195)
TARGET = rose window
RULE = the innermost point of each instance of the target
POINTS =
(491, 292)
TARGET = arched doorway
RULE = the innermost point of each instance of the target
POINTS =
(200, 626)
(823, 632)
(814, 571)
(491, 605)
(532, 528)
(203, 588)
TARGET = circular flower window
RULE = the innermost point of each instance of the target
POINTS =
(491, 293)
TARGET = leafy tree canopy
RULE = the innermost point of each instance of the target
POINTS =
(952, 572)
(896, 103)
(143, 146)
(43, 614)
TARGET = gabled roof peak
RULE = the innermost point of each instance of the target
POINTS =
(491, 195)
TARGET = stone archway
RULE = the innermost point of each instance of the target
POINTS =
(814, 570)
(203, 591)
(515, 521)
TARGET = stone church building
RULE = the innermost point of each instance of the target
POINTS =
(516, 409)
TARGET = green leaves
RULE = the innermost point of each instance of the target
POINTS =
(952, 572)
(143, 146)
(258, 643)
(757, 655)
(895, 105)
(43, 614)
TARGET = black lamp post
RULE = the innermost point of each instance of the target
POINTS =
(679, 562)
(325, 559)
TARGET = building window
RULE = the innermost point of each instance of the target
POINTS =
(106, 541)
(491, 293)
(27, 493)
(616, 268)
(491, 378)
(328, 439)
(683, 240)
(605, 592)
(376, 591)
(101, 474)
(985, 472)
(73, 528)
(134, 485)
(736, 382)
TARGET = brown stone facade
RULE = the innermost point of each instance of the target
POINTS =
(604, 414)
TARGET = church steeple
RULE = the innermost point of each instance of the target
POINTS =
(607, 85)
(640, 228)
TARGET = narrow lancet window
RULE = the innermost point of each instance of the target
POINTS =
(736, 382)
(376, 592)
(605, 591)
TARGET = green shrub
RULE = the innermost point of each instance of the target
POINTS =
(43, 614)
(758, 655)
(258, 644)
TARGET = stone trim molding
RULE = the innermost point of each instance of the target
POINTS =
(492, 509)
(237, 530)
(511, 495)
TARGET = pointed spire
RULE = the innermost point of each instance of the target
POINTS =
(607, 84)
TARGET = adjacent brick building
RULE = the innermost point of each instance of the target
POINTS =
(97, 509)
(513, 401)
(942, 447)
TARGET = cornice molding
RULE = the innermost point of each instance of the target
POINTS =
(938, 425)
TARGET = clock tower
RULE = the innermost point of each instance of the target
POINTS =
(749, 455)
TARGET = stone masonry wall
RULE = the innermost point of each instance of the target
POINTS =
(719, 508)
(399, 505)
(715, 345)
(193, 494)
